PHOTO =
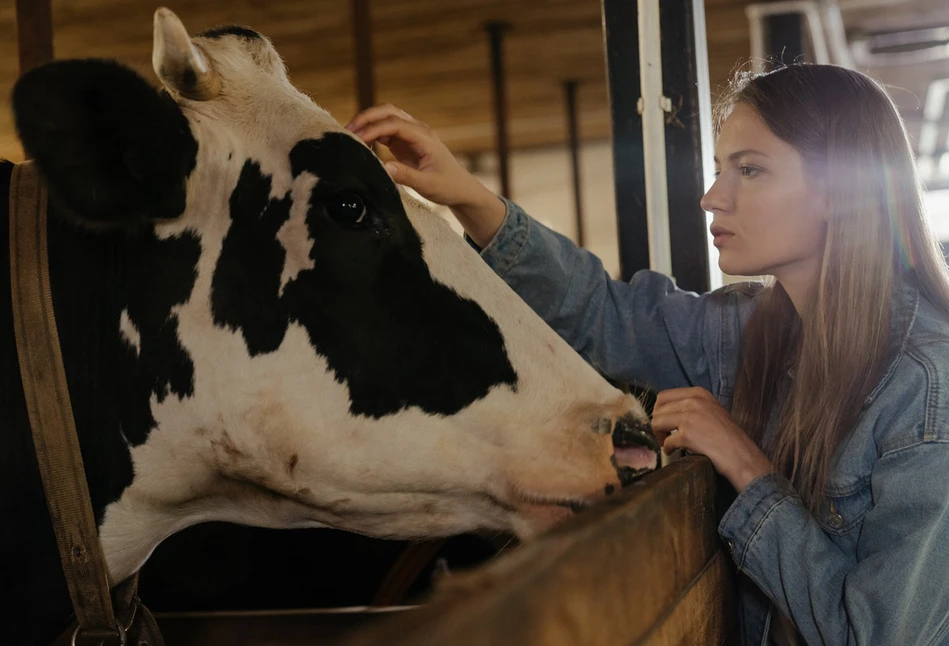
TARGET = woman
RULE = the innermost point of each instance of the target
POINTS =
(823, 397)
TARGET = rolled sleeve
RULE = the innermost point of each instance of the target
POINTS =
(742, 522)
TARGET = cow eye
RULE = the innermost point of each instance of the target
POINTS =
(347, 209)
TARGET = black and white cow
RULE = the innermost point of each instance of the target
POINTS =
(259, 327)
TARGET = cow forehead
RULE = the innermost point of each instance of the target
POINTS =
(257, 98)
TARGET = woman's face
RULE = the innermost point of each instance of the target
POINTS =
(769, 215)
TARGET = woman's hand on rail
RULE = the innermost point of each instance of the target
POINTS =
(692, 419)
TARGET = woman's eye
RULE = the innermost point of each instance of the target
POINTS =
(346, 208)
(749, 171)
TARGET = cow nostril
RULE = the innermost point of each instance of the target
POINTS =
(630, 433)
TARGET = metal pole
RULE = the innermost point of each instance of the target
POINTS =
(785, 37)
(34, 20)
(362, 43)
(652, 107)
(688, 142)
(660, 101)
(495, 32)
(570, 95)
(621, 36)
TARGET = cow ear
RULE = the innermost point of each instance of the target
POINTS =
(112, 148)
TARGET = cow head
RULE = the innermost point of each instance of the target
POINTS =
(304, 343)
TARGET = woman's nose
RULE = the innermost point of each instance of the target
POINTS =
(715, 199)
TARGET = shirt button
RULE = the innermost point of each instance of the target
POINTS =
(835, 520)
(731, 545)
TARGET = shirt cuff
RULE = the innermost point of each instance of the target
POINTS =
(742, 522)
(505, 248)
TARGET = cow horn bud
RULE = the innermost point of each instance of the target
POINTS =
(180, 65)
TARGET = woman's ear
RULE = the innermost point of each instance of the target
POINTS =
(113, 149)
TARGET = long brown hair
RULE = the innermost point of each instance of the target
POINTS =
(814, 373)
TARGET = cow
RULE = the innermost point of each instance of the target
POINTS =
(259, 327)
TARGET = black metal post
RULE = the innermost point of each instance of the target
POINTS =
(495, 32)
(785, 40)
(681, 48)
(573, 136)
(621, 35)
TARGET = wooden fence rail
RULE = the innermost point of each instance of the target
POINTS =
(647, 568)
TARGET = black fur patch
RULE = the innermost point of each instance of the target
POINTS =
(392, 334)
(230, 30)
(115, 150)
(251, 262)
(161, 275)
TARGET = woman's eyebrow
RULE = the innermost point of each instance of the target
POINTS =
(738, 154)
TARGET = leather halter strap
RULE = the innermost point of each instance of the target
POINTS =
(50, 411)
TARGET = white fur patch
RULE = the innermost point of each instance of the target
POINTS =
(294, 235)
(130, 333)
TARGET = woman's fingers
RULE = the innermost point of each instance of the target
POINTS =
(665, 425)
(680, 394)
(377, 113)
(393, 127)
(425, 183)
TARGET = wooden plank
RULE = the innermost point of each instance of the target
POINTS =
(261, 628)
(618, 574)
(704, 615)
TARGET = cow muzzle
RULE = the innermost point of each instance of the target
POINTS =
(635, 449)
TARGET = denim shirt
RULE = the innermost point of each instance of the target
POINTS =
(873, 566)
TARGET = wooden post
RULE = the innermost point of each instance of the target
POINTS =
(496, 37)
(573, 136)
(34, 22)
(362, 44)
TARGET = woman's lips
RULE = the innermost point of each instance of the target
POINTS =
(720, 235)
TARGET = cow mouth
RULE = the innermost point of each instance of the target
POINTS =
(575, 505)
(635, 450)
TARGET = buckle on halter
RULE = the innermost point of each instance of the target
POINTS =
(99, 637)
(115, 637)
